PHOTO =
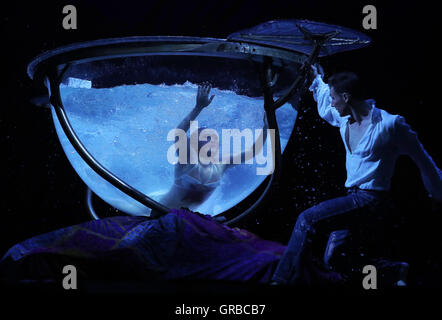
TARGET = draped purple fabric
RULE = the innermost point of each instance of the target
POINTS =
(179, 245)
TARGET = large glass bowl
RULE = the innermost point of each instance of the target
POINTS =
(122, 110)
(115, 101)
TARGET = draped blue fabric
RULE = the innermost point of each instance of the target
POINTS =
(179, 245)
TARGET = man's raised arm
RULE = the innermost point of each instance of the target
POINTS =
(321, 94)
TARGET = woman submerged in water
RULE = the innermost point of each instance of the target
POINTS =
(194, 183)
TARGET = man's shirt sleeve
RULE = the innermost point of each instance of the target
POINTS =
(321, 94)
(408, 143)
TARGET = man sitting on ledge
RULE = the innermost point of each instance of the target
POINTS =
(373, 141)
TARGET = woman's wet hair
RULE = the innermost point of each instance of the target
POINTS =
(347, 82)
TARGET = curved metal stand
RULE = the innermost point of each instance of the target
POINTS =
(268, 80)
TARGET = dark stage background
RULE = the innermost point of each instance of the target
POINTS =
(41, 192)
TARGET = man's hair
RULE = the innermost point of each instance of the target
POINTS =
(347, 82)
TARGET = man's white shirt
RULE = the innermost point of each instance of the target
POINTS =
(371, 164)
